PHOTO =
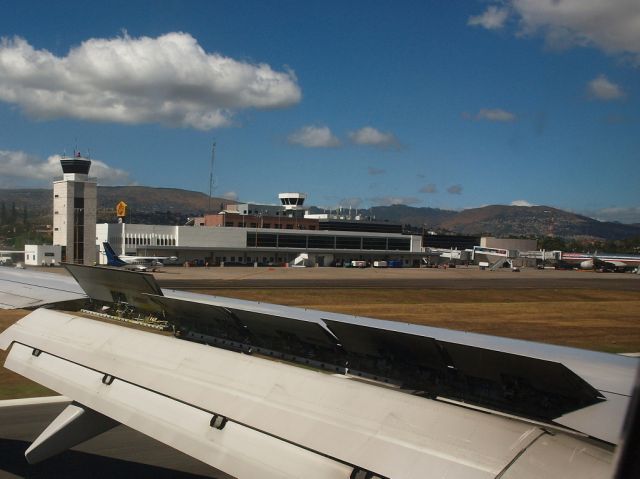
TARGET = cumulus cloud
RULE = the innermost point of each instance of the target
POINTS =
(602, 89)
(370, 136)
(521, 203)
(493, 18)
(611, 26)
(376, 171)
(314, 137)
(430, 188)
(394, 200)
(455, 190)
(170, 80)
(20, 170)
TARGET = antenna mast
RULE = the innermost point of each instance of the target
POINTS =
(213, 157)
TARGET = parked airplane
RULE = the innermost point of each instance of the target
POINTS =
(136, 263)
(602, 261)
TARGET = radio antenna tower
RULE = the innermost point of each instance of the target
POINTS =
(213, 157)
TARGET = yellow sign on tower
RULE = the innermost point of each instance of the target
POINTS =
(121, 209)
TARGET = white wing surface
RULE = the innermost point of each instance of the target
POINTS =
(29, 289)
(253, 417)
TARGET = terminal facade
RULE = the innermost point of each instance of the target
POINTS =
(241, 234)
(266, 246)
(249, 234)
(253, 234)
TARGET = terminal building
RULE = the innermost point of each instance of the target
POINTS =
(247, 234)
(265, 246)
(241, 234)
(257, 234)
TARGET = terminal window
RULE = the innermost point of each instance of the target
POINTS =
(374, 243)
(348, 242)
(322, 242)
(399, 244)
(292, 241)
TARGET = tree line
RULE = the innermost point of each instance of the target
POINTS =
(12, 217)
(17, 229)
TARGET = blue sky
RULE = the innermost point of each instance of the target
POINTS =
(446, 104)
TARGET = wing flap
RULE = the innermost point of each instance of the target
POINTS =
(172, 389)
(181, 426)
(512, 383)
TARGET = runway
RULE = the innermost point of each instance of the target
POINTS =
(120, 452)
(495, 281)
(463, 278)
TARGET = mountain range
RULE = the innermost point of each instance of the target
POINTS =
(173, 206)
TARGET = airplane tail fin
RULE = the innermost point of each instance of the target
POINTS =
(112, 257)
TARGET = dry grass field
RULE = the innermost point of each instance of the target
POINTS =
(603, 320)
(591, 319)
(13, 385)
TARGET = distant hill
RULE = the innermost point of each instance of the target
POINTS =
(140, 199)
(409, 215)
(172, 206)
(501, 220)
(146, 199)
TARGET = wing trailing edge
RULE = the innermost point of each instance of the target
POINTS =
(253, 417)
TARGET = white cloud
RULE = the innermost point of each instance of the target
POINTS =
(611, 25)
(455, 190)
(394, 200)
(20, 170)
(495, 114)
(169, 80)
(603, 89)
(492, 19)
(230, 195)
(314, 137)
(430, 188)
(372, 137)
(521, 203)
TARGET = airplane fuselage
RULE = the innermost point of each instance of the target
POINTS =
(591, 261)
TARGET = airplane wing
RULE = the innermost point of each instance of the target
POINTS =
(253, 417)
(29, 289)
(585, 390)
(289, 392)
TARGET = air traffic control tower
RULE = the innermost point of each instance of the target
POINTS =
(74, 211)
